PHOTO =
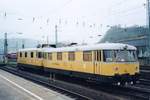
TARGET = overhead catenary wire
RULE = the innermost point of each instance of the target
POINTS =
(128, 10)
(18, 14)
(120, 3)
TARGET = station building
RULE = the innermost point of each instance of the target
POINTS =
(135, 35)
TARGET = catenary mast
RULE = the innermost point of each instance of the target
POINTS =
(148, 26)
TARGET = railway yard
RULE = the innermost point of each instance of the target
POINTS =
(75, 50)
(76, 89)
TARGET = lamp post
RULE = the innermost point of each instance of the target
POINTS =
(56, 35)
(22, 41)
(6, 43)
(5, 48)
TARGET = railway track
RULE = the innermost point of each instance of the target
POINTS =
(137, 92)
(129, 92)
(74, 91)
(145, 82)
(144, 67)
(145, 75)
(86, 90)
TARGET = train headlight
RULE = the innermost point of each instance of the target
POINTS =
(136, 68)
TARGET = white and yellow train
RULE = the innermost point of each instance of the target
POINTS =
(114, 63)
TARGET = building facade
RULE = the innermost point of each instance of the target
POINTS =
(136, 35)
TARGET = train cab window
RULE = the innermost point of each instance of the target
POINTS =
(25, 54)
(59, 55)
(108, 55)
(31, 54)
(20, 54)
(87, 56)
(71, 56)
(50, 56)
(125, 56)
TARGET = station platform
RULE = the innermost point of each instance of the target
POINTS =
(13, 87)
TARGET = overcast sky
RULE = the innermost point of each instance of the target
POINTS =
(77, 20)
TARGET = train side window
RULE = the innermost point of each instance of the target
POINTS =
(39, 54)
(97, 55)
(36, 54)
(31, 54)
(20, 54)
(25, 54)
(87, 56)
(71, 56)
(50, 56)
(45, 55)
(59, 55)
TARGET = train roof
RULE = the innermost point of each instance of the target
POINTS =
(30, 49)
(101, 46)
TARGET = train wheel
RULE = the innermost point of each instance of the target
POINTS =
(20, 68)
(52, 76)
(123, 83)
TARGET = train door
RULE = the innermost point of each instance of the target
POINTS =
(97, 61)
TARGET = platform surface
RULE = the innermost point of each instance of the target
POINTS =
(13, 87)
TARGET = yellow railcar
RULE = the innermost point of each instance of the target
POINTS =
(106, 62)
(30, 58)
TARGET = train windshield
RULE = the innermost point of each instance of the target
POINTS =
(120, 56)
(125, 56)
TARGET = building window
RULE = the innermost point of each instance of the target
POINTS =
(25, 54)
(87, 56)
(31, 54)
(20, 54)
(71, 56)
(50, 56)
(59, 55)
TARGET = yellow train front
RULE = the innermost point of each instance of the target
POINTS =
(112, 63)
